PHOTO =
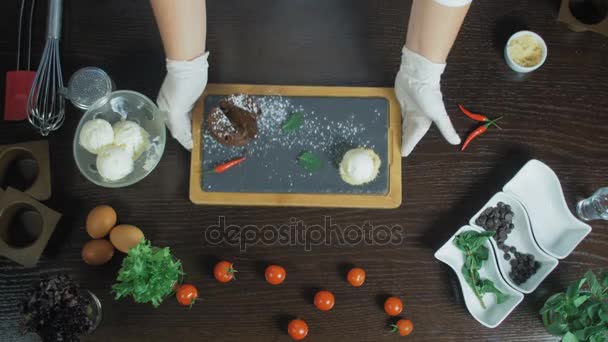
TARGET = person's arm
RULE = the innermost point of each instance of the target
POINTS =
(432, 30)
(183, 29)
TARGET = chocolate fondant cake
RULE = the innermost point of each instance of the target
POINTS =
(233, 122)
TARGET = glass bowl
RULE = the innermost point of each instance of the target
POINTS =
(124, 105)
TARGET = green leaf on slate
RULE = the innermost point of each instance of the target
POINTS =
(294, 122)
(310, 162)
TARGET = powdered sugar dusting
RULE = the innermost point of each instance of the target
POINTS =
(221, 123)
(320, 133)
(244, 102)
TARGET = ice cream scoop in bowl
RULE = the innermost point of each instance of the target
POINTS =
(131, 150)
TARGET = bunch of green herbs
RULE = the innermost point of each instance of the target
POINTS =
(580, 313)
(148, 274)
(472, 244)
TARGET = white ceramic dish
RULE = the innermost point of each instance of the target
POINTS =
(521, 238)
(494, 313)
(518, 68)
(556, 230)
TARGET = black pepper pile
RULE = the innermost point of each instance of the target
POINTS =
(499, 219)
(56, 310)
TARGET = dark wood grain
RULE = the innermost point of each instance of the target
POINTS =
(556, 114)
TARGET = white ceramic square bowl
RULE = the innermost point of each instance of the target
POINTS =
(522, 239)
(494, 313)
(556, 230)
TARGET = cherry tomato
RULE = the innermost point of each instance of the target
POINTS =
(393, 306)
(324, 300)
(404, 327)
(187, 294)
(224, 272)
(297, 329)
(356, 276)
(275, 274)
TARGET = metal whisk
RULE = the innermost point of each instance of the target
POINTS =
(46, 103)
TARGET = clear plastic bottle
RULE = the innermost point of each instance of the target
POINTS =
(594, 207)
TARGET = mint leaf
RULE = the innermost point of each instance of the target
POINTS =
(603, 315)
(489, 287)
(569, 337)
(480, 239)
(604, 278)
(599, 337)
(310, 162)
(294, 122)
(591, 331)
(593, 310)
(594, 284)
(557, 328)
(580, 300)
(573, 289)
(481, 253)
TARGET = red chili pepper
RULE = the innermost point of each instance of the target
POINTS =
(227, 165)
(479, 131)
(475, 116)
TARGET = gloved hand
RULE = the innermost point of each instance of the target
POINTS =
(418, 90)
(183, 85)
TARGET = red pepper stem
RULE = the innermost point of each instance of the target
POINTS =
(493, 122)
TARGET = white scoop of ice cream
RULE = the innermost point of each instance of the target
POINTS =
(114, 163)
(359, 166)
(95, 135)
(131, 137)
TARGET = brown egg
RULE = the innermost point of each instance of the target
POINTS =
(125, 237)
(97, 252)
(100, 221)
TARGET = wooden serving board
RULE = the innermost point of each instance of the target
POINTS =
(336, 118)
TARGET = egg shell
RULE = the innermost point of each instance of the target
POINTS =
(125, 237)
(97, 252)
(100, 221)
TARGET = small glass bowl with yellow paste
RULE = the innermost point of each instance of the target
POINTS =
(525, 51)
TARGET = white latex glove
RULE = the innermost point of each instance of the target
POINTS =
(183, 85)
(418, 90)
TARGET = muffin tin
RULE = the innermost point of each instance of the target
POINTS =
(544, 227)
(597, 9)
(26, 167)
(25, 224)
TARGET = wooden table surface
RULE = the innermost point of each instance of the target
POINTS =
(556, 114)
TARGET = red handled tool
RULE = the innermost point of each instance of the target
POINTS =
(19, 82)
